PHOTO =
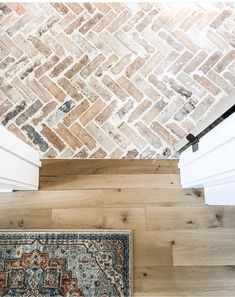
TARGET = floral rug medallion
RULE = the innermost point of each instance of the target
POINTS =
(66, 264)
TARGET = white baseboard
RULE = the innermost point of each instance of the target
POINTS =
(212, 166)
(223, 194)
(19, 163)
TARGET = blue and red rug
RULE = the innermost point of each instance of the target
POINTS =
(68, 263)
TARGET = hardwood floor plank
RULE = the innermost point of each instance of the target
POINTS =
(147, 181)
(204, 247)
(99, 218)
(154, 197)
(150, 251)
(25, 218)
(173, 218)
(213, 247)
(52, 167)
(211, 293)
(103, 197)
(184, 281)
(154, 238)
(200, 255)
(181, 246)
(53, 199)
(153, 256)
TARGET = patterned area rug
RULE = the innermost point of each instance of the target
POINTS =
(67, 263)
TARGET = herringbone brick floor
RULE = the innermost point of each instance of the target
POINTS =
(112, 80)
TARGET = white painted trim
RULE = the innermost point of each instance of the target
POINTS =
(11, 185)
(19, 163)
(212, 167)
(217, 137)
(14, 145)
(223, 194)
(224, 105)
(5, 188)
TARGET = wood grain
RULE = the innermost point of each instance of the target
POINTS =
(101, 218)
(211, 293)
(150, 251)
(51, 199)
(181, 247)
(51, 167)
(204, 247)
(159, 281)
(173, 218)
(159, 197)
(25, 218)
(110, 181)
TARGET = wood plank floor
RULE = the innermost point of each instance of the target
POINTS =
(181, 247)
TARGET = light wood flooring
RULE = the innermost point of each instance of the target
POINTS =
(181, 247)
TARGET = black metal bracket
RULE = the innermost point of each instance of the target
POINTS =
(193, 141)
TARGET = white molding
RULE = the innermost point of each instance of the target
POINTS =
(14, 145)
(223, 194)
(212, 167)
(19, 163)
(224, 105)
(5, 188)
